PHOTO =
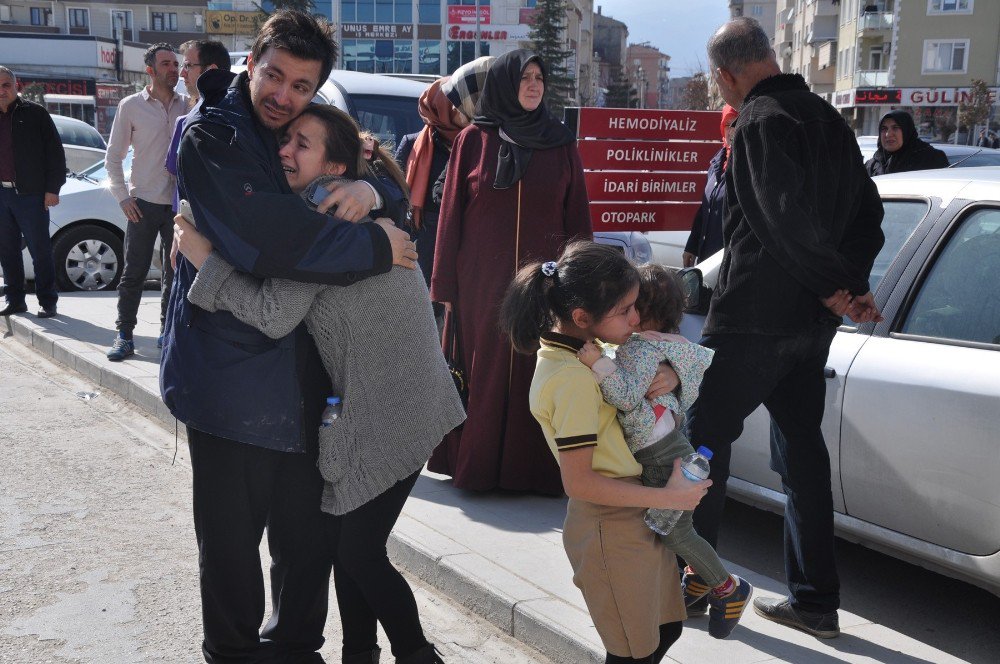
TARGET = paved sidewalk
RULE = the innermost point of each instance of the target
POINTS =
(500, 555)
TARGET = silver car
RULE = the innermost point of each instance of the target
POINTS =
(913, 403)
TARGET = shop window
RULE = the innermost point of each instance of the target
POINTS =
(429, 57)
(945, 56)
(460, 52)
(482, 3)
(950, 6)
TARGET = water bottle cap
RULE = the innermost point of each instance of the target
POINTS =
(333, 401)
(705, 452)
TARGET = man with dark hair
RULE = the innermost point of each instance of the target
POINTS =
(144, 122)
(801, 232)
(252, 405)
(32, 171)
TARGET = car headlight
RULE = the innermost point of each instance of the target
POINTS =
(642, 251)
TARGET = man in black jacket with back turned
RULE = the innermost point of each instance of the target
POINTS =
(32, 170)
(801, 232)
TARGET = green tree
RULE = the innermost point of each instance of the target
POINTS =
(547, 26)
(977, 110)
(621, 92)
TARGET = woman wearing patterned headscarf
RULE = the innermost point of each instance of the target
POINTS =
(514, 192)
(446, 107)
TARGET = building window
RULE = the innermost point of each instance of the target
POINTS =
(875, 58)
(950, 6)
(164, 21)
(430, 12)
(41, 16)
(378, 56)
(79, 18)
(756, 10)
(945, 57)
(380, 11)
(429, 57)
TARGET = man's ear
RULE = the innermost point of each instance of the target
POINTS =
(250, 66)
(727, 77)
(581, 318)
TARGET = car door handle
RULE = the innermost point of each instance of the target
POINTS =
(829, 372)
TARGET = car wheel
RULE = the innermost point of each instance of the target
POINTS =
(88, 258)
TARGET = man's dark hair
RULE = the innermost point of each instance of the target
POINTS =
(741, 42)
(212, 52)
(302, 35)
(149, 57)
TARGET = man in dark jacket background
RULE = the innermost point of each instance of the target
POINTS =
(32, 170)
(801, 232)
(900, 149)
(252, 405)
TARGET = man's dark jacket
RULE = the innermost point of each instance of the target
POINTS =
(915, 155)
(39, 159)
(706, 230)
(219, 375)
(803, 217)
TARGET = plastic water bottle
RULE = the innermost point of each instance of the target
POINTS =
(334, 407)
(695, 468)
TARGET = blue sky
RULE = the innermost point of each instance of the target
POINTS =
(679, 28)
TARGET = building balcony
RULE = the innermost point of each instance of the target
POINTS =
(37, 29)
(827, 55)
(871, 78)
(873, 23)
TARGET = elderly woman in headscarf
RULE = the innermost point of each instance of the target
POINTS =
(514, 192)
(706, 230)
(900, 149)
(446, 107)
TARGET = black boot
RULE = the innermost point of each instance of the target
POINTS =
(426, 655)
(367, 657)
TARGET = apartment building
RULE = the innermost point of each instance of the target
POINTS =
(610, 52)
(649, 71)
(805, 41)
(918, 55)
(764, 11)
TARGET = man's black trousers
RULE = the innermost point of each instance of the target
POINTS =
(239, 490)
(785, 373)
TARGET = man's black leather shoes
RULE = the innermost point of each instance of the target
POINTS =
(47, 312)
(13, 309)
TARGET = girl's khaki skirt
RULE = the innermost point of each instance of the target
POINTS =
(629, 579)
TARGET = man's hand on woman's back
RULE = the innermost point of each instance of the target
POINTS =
(404, 251)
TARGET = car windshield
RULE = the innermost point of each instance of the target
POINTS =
(981, 158)
(73, 133)
(389, 118)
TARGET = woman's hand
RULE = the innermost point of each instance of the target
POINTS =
(404, 251)
(680, 493)
(665, 382)
(354, 200)
(190, 242)
(688, 259)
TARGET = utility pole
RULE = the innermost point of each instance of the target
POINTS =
(478, 47)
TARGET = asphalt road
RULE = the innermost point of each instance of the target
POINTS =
(98, 561)
(955, 617)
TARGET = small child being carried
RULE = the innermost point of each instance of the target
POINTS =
(652, 431)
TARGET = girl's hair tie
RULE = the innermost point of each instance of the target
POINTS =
(550, 269)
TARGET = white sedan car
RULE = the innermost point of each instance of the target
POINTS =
(912, 416)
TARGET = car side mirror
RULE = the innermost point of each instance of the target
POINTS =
(696, 295)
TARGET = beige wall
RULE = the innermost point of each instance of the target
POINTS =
(981, 28)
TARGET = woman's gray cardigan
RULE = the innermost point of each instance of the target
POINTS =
(379, 343)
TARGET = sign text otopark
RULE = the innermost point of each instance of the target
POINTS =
(645, 169)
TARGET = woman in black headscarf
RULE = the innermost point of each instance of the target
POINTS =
(900, 149)
(514, 192)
